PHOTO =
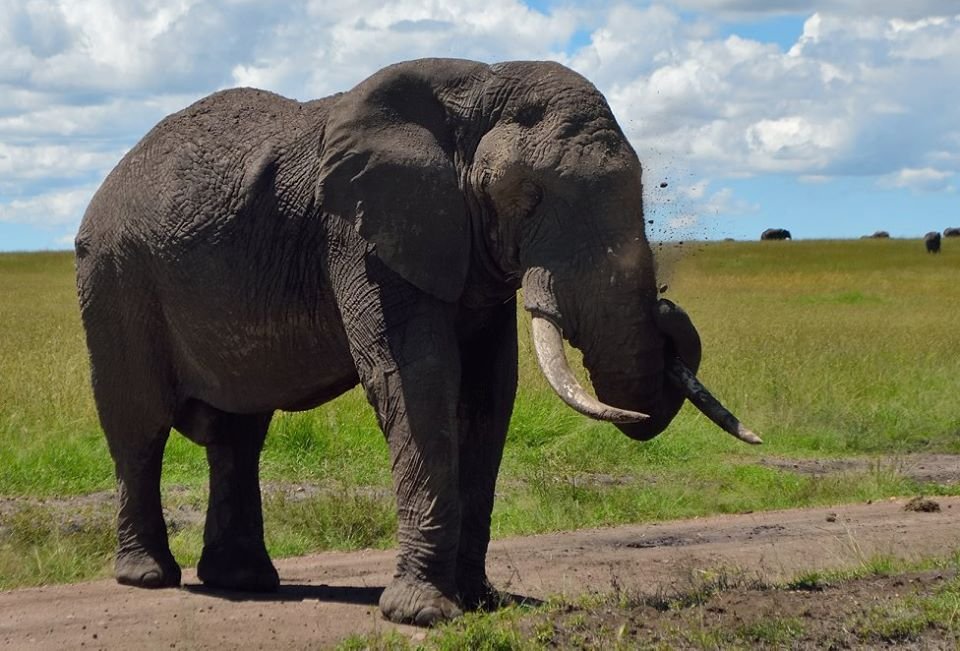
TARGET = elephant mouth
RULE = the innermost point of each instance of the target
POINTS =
(548, 344)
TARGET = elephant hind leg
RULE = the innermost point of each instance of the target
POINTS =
(234, 554)
(143, 552)
(133, 393)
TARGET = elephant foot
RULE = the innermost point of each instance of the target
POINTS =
(409, 601)
(479, 594)
(143, 569)
(237, 568)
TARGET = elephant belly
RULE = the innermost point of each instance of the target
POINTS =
(250, 365)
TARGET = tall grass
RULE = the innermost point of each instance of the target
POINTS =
(50, 441)
(832, 348)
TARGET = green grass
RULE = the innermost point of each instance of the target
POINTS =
(37, 546)
(827, 349)
(908, 620)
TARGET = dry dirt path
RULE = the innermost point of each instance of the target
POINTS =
(326, 597)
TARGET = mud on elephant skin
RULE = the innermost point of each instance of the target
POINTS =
(253, 253)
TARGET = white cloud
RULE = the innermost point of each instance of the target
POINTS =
(869, 91)
(920, 180)
(851, 8)
(120, 119)
(629, 42)
(854, 96)
(80, 83)
(794, 143)
(363, 36)
(33, 162)
(53, 209)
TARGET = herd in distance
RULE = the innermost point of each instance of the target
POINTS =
(931, 240)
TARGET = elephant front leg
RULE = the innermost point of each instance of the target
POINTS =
(412, 379)
(417, 414)
(488, 390)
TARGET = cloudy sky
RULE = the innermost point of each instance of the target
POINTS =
(833, 118)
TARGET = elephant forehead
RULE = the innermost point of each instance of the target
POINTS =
(562, 94)
(578, 132)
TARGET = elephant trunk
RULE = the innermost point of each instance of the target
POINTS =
(641, 385)
(683, 378)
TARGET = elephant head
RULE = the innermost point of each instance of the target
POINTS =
(529, 181)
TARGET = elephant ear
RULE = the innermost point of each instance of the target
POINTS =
(386, 165)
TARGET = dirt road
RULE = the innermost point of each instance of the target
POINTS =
(325, 597)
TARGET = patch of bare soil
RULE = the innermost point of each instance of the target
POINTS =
(860, 614)
(326, 597)
(922, 468)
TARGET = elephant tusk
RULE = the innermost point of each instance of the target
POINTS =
(684, 379)
(548, 342)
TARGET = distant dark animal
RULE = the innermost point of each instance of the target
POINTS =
(880, 235)
(932, 241)
(951, 232)
(776, 234)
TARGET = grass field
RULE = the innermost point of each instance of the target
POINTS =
(826, 348)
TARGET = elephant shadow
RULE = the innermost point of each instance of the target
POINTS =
(344, 594)
(359, 595)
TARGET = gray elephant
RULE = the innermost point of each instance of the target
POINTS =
(951, 232)
(253, 253)
(776, 234)
(932, 241)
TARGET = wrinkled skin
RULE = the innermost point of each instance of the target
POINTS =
(253, 253)
(775, 234)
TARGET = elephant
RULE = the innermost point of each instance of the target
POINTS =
(951, 232)
(932, 241)
(776, 234)
(254, 253)
(879, 235)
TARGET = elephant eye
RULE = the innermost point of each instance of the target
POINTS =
(530, 115)
(532, 196)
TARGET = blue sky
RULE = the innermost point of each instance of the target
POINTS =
(833, 118)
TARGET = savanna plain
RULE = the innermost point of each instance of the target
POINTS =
(842, 355)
